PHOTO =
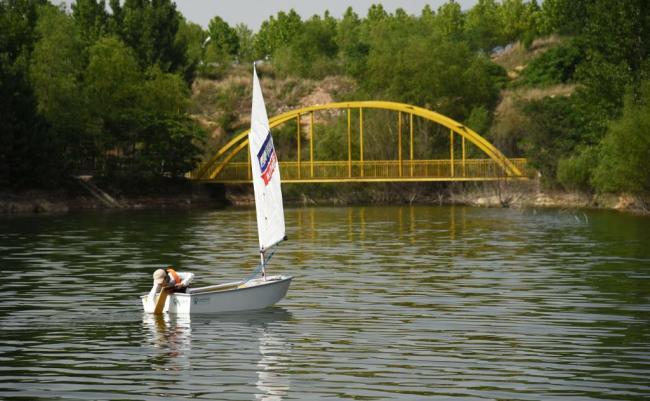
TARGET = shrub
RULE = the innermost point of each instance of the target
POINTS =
(555, 66)
(551, 128)
(624, 151)
(574, 173)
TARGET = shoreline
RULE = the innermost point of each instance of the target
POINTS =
(195, 196)
(83, 193)
(41, 202)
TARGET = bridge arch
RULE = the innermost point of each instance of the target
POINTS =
(214, 167)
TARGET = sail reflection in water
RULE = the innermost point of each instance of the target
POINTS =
(171, 339)
(273, 379)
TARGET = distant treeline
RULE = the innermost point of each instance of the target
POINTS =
(108, 92)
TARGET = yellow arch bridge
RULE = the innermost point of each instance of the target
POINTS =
(493, 165)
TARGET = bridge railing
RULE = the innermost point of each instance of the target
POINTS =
(377, 170)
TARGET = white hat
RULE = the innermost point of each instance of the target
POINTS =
(159, 276)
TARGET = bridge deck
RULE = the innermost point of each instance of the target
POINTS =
(377, 171)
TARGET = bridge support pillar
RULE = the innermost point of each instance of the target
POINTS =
(451, 152)
(311, 144)
(463, 153)
(399, 141)
(361, 142)
(349, 143)
(248, 158)
(411, 141)
(298, 142)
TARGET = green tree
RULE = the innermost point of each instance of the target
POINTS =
(551, 134)
(224, 42)
(566, 17)
(483, 25)
(623, 165)
(353, 52)
(556, 66)
(149, 27)
(276, 32)
(18, 29)
(608, 55)
(169, 147)
(373, 26)
(482, 83)
(112, 85)
(575, 172)
(615, 37)
(144, 129)
(112, 77)
(443, 75)
(450, 20)
(164, 93)
(191, 37)
(28, 157)
(428, 17)
(376, 14)
(168, 140)
(27, 154)
(246, 39)
(115, 18)
(518, 19)
(91, 18)
(311, 53)
(56, 75)
(479, 119)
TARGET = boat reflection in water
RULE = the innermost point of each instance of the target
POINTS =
(172, 336)
(189, 345)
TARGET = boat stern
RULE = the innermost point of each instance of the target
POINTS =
(175, 303)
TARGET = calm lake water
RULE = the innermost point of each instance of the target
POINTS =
(406, 303)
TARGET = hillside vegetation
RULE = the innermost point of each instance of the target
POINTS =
(134, 89)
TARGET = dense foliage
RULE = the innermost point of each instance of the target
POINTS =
(107, 89)
(93, 92)
(555, 66)
(607, 58)
(624, 150)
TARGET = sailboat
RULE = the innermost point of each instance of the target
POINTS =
(258, 290)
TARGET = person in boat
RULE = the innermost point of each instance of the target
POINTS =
(171, 280)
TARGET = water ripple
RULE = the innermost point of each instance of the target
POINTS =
(404, 303)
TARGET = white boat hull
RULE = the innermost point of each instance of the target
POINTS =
(229, 297)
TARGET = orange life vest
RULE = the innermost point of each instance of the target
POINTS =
(175, 276)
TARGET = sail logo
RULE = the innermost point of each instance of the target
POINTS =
(267, 159)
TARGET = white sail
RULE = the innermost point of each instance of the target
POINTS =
(266, 173)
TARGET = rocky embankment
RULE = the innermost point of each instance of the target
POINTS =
(192, 195)
(529, 195)
(42, 202)
(84, 194)
(32, 202)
